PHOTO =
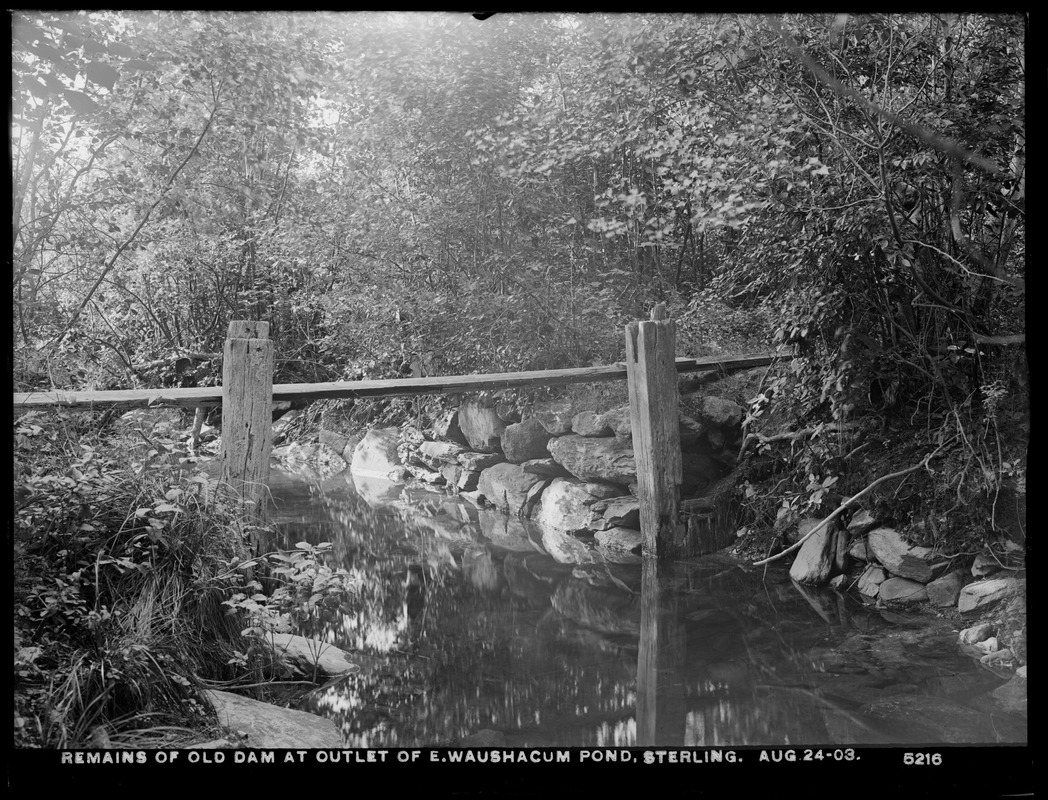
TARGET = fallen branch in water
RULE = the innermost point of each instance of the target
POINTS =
(851, 501)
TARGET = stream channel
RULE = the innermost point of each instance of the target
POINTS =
(463, 622)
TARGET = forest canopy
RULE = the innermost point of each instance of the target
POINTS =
(432, 192)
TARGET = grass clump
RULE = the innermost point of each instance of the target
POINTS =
(121, 577)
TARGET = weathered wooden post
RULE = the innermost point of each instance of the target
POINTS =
(651, 374)
(247, 417)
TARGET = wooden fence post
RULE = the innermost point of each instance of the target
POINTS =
(247, 416)
(652, 378)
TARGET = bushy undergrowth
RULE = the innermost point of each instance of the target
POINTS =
(134, 589)
(818, 436)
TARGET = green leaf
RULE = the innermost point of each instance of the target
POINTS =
(102, 74)
(79, 102)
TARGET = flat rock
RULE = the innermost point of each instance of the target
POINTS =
(902, 590)
(479, 461)
(900, 558)
(545, 468)
(306, 654)
(268, 726)
(987, 593)
(943, 592)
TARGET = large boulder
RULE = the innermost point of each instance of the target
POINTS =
(376, 455)
(901, 558)
(481, 426)
(814, 562)
(523, 441)
(720, 412)
(506, 486)
(606, 459)
(567, 505)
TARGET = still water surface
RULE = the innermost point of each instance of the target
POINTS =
(464, 622)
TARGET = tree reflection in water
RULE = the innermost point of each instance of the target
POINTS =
(463, 623)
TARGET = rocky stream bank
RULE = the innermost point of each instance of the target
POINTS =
(574, 474)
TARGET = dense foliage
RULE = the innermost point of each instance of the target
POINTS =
(435, 194)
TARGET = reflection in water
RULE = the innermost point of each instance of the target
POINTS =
(660, 664)
(465, 622)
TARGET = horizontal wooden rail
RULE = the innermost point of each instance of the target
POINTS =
(396, 387)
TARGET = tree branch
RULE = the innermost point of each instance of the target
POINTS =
(127, 242)
(851, 501)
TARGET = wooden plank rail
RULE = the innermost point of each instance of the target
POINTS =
(395, 387)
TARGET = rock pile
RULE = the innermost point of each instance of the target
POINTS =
(573, 472)
(886, 569)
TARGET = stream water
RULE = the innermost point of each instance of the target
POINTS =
(463, 622)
